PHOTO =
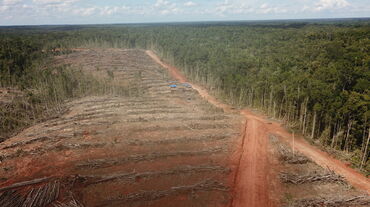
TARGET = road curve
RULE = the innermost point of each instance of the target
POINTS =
(252, 181)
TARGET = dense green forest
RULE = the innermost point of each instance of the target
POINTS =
(315, 77)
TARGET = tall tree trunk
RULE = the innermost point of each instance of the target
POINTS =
(241, 96)
(346, 144)
(301, 112)
(364, 157)
(270, 110)
(334, 138)
(313, 125)
(288, 114)
(252, 94)
(305, 116)
(281, 111)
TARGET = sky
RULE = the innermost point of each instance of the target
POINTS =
(40, 12)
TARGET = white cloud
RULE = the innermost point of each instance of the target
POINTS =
(9, 5)
(11, 2)
(330, 5)
(102, 11)
(111, 10)
(190, 4)
(266, 9)
(233, 7)
(165, 7)
(237, 7)
(54, 1)
(106, 11)
(81, 11)
(162, 3)
(4, 8)
(85, 11)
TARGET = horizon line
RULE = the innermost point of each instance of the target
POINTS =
(196, 21)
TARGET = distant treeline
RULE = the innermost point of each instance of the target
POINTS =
(315, 77)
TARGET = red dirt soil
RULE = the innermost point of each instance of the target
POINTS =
(253, 178)
(251, 182)
(156, 147)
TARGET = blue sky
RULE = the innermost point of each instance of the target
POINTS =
(38, 12)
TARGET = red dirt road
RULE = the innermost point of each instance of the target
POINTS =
(251, 184)
(253, 178)
(182, 79)
(323, 159)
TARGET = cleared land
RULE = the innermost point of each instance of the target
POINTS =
(154, 147)
(160, 146)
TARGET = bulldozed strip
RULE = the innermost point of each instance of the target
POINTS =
(153, 146)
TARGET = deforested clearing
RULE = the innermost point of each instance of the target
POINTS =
(158, 145)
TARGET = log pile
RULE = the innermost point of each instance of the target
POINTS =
(328, 177)
(333, 202)
(131, 177)
(25, 183)
(185, 139)
(41, 196)
(71, 203)
(208, 185)
(100, 163)
(286, 154)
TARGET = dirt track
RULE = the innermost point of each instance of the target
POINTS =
(254, 176)
(156, 147)
(252, 180)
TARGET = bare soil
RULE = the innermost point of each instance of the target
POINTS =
(163, 146)
(155, 147)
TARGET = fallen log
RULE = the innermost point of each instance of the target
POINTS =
(40, 196)
(333, 202)
(208, 185)
(72, 203)
(286, 154)
(329, 177)
(25, 183)
(100, 163)
(132, 176)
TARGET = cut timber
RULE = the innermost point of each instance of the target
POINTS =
(333, 202)
(25, 183)
(208, 185)
(312, 178)
(286, 154)
(41, 196)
